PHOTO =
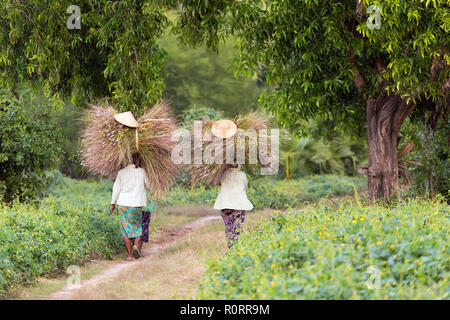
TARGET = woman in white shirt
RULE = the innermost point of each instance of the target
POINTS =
(129, 193)
(232, 202)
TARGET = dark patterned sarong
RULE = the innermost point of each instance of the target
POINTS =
(146, 215)
(233, 220)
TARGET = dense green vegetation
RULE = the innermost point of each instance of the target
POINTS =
(71, 224)
(322, 150)
(345, 95)
(67, 227)
(271, 193)
(321, 61)
(30, 142)
(326, 253)
(197, 77)
(431, 149)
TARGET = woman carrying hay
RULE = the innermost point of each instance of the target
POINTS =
(129, 193)
(116, 144)
(232, 199)
(232, 202)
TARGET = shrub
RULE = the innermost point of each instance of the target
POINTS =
(200, 112)
(319, 253)
(29, 142)
(67, 227)
(432, 150)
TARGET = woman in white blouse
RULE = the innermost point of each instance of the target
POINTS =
(232, 202)
(129, 193)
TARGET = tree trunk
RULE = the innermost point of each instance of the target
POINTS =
(385, 116)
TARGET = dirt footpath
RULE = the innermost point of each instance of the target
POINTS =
(67, 291)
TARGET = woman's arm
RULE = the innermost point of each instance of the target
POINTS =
(116, 191)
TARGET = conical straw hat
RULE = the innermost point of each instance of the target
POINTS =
(127, 119)
(224, 128)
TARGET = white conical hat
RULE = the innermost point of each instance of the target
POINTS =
(224, 128)
(127, 119)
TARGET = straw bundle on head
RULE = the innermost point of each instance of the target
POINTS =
(108, 146)
(248, 131)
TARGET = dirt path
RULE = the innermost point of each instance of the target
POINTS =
(67, 291)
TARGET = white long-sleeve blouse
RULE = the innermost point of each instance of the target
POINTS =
(233, 191)
(130, 187)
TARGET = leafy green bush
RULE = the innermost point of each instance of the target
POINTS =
(432, 150)
(319, 253)
(68, 226)
(200, 112)
(68, 120)
(271, 193)
(327, 149)
(29, 143)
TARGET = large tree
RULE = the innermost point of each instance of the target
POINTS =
(114, 53)
(334, 58)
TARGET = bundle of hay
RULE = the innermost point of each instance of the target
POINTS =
(108, 146)
(211, 173)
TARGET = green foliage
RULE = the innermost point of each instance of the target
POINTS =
(432, 150)
(68, 226)
(198, 77)
(415, 38)
(68, 119)
(315, 154)
(323, 253)
(114, 54)
(270, 193)
(201, 112)
(312, 52)
(29, 143)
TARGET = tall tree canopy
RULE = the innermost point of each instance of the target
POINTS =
(117, 53)
(325, 57)
(197, 77)
(114, 53)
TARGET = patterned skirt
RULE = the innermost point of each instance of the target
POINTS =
(233, 220)
(130, 221)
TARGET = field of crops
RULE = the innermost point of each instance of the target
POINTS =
(316, 252)
(353, 252)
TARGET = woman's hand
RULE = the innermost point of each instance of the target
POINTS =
(111, 208)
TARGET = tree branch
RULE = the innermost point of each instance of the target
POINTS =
(366, 171)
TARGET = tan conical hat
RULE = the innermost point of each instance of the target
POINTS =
(224, 129)
(127, 119)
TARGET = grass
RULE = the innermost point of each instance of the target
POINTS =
(63, 229)
(43, 286)
(174, 273)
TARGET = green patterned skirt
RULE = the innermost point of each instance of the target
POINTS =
(130, 221)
